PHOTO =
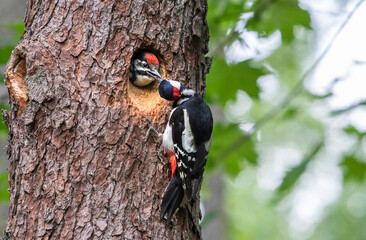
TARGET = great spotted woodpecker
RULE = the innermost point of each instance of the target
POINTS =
(144, 69)
(187, 139)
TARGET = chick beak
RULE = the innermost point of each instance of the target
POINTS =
(155, 74)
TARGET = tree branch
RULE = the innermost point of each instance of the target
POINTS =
(349, 108)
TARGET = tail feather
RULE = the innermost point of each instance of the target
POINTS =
(172, 199)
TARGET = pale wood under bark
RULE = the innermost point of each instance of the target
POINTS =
(80, 165)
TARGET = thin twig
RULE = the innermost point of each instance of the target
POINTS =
(349, 108)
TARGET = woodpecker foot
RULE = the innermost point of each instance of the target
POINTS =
(151, 128)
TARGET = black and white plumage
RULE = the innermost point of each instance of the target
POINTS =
(188, 134)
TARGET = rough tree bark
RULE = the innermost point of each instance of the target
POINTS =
(80, 165)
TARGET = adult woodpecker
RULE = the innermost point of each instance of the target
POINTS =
(144, 69)
(187, 139)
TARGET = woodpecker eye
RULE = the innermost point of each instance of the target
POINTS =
(144, 68)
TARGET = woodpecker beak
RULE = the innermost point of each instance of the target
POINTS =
(155, 74)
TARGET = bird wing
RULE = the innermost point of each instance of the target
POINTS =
(184, 148)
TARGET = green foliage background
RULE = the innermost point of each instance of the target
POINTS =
(279, 122)
(286, 119)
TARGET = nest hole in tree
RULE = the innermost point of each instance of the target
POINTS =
(146, 98)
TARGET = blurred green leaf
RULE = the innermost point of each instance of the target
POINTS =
(285, 63)
(224, 80)
(5, 53)
(17, 27)
(2, 77)
(290, 113)
(353, 131)
(295, 173)
(271, 15)
(353, 168)
(223, 151)
(4, 186)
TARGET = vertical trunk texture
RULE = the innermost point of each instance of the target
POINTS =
(80, 164)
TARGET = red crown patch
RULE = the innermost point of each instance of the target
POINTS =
(151, 59)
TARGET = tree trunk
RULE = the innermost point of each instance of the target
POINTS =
(80, 164)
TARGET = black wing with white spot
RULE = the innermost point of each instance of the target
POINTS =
(190, 124)
(189, 131)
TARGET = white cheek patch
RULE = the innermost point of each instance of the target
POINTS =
(187, 135)
(142, 81)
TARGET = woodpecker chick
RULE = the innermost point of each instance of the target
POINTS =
(144, 69)
(187, 138)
